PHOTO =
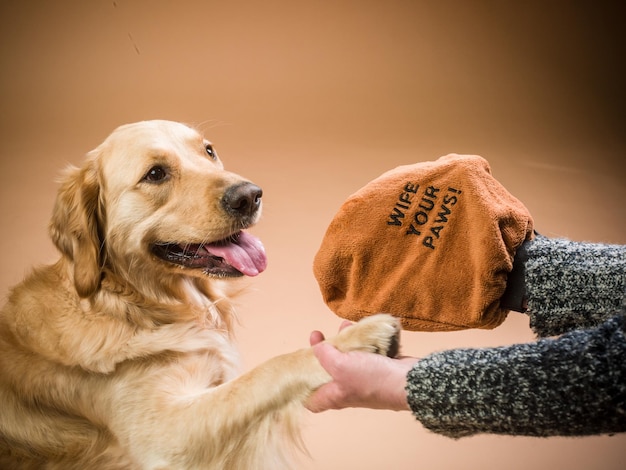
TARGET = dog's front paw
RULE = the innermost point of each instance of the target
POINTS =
(378, 334)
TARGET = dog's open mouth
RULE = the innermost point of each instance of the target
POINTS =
(240, 254)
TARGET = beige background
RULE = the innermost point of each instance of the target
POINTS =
(312, 100)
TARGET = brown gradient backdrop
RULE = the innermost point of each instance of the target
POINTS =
(312, 100)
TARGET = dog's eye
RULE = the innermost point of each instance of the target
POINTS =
(210, 152)
(156, 174)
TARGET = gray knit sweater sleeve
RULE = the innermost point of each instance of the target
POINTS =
(572, 285)
(574, 384)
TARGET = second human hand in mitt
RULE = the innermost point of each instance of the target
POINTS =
(430, 243)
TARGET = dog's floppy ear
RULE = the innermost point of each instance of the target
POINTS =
(76, 226)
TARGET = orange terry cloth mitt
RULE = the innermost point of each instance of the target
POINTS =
(430, 243)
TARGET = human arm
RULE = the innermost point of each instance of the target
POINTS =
(567, 386)
(574, 384)
(572, 285)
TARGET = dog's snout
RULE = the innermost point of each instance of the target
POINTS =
(242, 199)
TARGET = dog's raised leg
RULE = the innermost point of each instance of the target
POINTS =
(243, 423)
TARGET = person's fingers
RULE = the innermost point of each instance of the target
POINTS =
(326, 396)
(328, 356)
(316, 337)
(345, 324)
(320, 399)
(330, 395)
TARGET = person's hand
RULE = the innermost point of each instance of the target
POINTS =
(359, 379)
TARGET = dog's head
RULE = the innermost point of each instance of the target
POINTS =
(154, 200)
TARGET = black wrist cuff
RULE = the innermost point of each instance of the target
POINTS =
(514, 297)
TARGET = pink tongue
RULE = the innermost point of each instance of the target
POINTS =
(246, 254)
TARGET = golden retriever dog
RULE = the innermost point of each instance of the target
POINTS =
(120, 355)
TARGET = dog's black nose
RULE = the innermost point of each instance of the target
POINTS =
(242, 199)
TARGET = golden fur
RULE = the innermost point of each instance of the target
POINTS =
(116, 358)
